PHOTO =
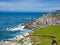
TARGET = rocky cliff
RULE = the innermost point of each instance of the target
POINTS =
(44, 21)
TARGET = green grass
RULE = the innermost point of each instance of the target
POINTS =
(48, 31)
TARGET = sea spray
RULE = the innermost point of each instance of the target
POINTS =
(19, 27)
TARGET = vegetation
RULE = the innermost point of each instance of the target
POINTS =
(20, 41)
(46, 35)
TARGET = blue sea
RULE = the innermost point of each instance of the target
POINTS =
(13, 20)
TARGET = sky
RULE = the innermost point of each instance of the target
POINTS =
(29, 5)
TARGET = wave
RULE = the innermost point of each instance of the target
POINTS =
(18, 28)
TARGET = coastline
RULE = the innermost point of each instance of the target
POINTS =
(14, 40)
(47, 20)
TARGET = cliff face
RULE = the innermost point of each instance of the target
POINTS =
(45, 20)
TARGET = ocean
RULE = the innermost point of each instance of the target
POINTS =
(13, 20)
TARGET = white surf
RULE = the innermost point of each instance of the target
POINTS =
(19, 27)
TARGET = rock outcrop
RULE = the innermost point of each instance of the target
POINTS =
(46, 20)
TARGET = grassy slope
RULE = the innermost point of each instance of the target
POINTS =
(49, 31)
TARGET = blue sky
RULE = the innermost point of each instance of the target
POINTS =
(29, 5)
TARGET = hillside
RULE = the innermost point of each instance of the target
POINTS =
(45, 35)
(44, 21)
(47, 29)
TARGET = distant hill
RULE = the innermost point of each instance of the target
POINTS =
(57, 10)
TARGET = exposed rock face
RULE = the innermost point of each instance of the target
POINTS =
(45, 20)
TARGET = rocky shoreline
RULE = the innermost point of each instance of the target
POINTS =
(18, 40)
(44, 21)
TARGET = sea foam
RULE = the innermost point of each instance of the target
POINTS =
(19, 27)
